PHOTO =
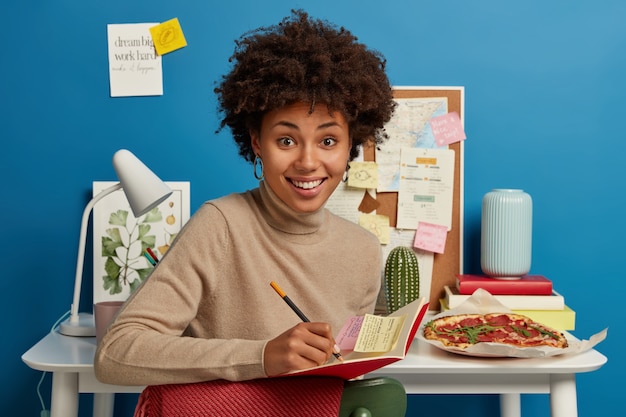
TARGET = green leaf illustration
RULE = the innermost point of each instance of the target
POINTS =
(113, 285)
(111, 279)
(148, 242)
(109, 244)
(114, 234)
(144, 229)
(134, 285)
(153, 216)
(111, 268)
(118, 218)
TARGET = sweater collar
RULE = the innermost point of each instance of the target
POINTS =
(282, 217)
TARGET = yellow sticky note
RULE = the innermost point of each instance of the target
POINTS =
(363, 174)
(378, 334)
(377, 224)
(168, 36)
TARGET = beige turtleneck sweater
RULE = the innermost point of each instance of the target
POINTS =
(207, 310)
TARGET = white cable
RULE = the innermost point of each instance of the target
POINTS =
(54, 326)
(43, 374)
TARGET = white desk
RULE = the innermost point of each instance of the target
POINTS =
(426, 370)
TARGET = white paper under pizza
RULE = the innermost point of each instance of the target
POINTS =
(482, 302)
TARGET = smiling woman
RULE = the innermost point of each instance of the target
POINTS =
(301, 99)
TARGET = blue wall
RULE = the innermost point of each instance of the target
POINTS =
(544, 112)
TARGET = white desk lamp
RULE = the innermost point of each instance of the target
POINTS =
(144, 191)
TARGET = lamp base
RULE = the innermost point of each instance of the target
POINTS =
(85, 327)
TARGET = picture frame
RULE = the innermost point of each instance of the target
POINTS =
(121, 261)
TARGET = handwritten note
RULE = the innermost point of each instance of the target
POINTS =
(134, 66)
(426, 184)
(378, 333)
(349, 333)
(447, 129)
(430, 237)
(370, 333)
(168, 36)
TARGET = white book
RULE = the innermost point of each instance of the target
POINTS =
(514, 302)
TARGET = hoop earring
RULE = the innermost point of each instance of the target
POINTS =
(258, 162)
(346, 173)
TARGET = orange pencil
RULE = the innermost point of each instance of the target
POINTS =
(336, 351)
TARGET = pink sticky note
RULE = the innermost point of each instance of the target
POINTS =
(447, 129)
(346, 339)
(430, 237)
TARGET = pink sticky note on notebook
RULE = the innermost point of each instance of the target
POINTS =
(430, 237)
(447, 129)
(346, 339)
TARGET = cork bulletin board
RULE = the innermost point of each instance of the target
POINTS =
(449, 263)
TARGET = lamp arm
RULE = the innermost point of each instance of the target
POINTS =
(81, 250)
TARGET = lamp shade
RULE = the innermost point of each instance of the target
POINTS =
(143, 189)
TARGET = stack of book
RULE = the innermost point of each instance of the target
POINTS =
(531, 295)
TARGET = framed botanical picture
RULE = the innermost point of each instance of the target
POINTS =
(125, 247)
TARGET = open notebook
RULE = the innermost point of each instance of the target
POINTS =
(382, 340)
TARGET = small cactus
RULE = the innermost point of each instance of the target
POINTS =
(402, 278)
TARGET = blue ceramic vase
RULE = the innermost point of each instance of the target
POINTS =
(506, 233)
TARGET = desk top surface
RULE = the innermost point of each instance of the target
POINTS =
(59, 353)
(424, 358)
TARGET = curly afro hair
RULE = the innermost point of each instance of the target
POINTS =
(305, 60)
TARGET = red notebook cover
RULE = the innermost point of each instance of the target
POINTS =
(527, 285)
(356, 364)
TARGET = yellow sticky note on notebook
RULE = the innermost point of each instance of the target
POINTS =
(378, 334)
(168, 36)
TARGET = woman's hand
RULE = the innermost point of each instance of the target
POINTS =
(303, 346)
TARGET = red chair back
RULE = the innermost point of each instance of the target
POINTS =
(272, 397)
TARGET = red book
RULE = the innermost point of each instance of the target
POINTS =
(526, 285)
